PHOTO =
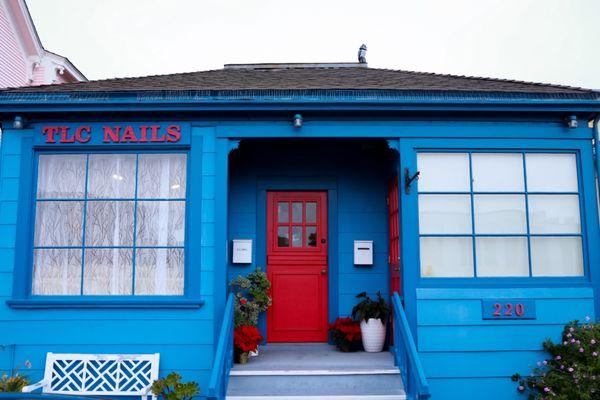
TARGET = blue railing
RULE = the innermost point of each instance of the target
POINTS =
(406, 355)
(217, 387)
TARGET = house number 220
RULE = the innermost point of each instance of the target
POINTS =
(508, 309)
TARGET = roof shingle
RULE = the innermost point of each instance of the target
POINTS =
(312, 78)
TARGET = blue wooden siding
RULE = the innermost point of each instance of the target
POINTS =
(359, 180)
(465, 356)
(183, 337)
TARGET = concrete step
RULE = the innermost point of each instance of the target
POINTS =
(303, 372)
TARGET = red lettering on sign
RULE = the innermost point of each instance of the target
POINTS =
(128, 135)
(64, 135)
(520, 310)
(79, 134)
(497, 307)
(174, 132)
(50, 131)
(111, 135)
(143, 134)
(154, 135)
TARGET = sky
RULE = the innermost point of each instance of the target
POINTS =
(551, 41)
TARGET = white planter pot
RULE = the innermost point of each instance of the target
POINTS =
(373, 335)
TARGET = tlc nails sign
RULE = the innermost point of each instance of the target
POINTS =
(111, 133)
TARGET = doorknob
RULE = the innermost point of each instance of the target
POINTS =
(323, 271)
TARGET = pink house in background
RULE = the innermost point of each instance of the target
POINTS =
(23, 59)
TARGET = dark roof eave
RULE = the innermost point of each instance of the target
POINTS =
(325, 99)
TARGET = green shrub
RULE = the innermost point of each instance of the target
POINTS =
(15, 382)
(572, 370)
(171, 388)
(251, 297)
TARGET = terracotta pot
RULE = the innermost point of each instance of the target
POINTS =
(373, 335)
(241, 358)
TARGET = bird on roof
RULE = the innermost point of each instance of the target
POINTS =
(362, 54)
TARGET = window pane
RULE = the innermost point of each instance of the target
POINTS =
(502, 256)
(443, 172)
(56, 272)
(296, 212)
(297, 236)
(444, 214)
(109, 223)
(556, 256)
(311, 212)
(283, 236)
(58, 223)
(497, 172)
(160, 223)
(108, 272)
(111, 176)
(159, 271)
(311, 236)
(61, 176)
(551, 172)
(161, 175)
(499, 213)
(446, 257)
(283, 212)
(554, 214)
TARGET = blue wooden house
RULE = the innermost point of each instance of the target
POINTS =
(127, 205)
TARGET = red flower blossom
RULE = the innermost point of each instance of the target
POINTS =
(243, 301)
(246, 338)
(346, 333)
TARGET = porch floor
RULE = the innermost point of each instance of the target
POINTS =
(312, 358)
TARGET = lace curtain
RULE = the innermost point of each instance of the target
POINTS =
(110, 224)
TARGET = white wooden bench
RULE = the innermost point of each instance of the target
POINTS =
(98, 374)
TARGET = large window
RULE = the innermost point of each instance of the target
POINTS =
(499, 215)
(110, 224)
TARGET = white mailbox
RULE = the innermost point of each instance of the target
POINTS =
(363, 252)
(242, 251)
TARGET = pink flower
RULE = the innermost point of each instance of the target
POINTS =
(521, 388)
(593, 341)
(595, 354)
(571, 329)
(570, 369)
(562, 367)
(572, 340)
(546, 389)
(558, 357)
(564, 343)
(581, 350)
(545, 362)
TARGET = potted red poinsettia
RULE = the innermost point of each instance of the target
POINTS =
(245, 339)
(346, 335)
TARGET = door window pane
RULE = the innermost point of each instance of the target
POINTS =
(108, 272)
(161, 176)
(499, 214)
(61, 176)
(283, 236)
(296, 212)
(297, 236)
(554, 214)
(59, 223)
(501, 256)
(311, 236)
(159, 271)
(311, 212)
(444, 214)
(551, 172)
(446, 257)
(109, 223)
(556, 256)
(56, 272)
(497, 172)
(283, 212)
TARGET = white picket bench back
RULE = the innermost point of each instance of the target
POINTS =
(99, 374)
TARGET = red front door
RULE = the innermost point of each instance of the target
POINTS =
(297, 266)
